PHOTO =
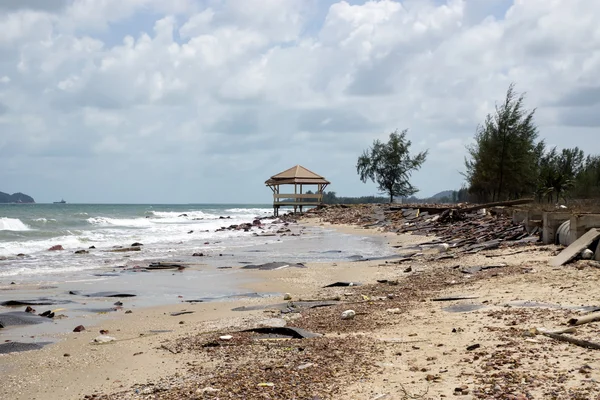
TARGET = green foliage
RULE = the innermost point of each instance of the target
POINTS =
(558, 173)
(503, 161)
(331, 198)
(587, 181)
(390, 165)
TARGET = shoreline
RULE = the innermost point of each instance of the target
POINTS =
(400, 343)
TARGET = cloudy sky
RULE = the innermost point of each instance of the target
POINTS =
(197, 101)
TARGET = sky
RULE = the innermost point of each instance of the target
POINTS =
(201, 101)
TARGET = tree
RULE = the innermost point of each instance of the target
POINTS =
(558, 173)
(503, 160)
(390, 165)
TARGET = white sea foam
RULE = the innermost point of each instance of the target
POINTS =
(131, 222)
(12, 224)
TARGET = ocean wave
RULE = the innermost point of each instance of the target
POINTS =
(12, 224)
(249, 211)
(182, 214)
(130, 222)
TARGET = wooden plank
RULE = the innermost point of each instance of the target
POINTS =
(293, 203)
(297, 196)
(575, 248)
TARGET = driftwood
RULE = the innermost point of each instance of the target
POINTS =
(496, 204)
(585, 319)
(581, 343)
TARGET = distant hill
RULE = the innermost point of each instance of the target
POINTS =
(441, 195)
(15, 198)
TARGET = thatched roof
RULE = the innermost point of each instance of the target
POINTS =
(297, 174)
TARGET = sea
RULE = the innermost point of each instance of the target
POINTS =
(168, 232)
(190, 234)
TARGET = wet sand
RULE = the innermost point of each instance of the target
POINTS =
(400, 344)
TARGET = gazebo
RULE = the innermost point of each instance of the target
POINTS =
(299, 177)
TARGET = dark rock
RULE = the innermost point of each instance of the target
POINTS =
(79, 328)
(18, 318)
(16, 347)
(21, 255)
(136, 244)
(47, 314)
(183, 215)
(125, 249)
(118, 303)
(473, 347)
(92, 247)
(161, 265)
(81, 252)
(29, 310)
(198, 255)
(56, 247)
(33, 302)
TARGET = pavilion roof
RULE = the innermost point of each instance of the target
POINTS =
(297, 174)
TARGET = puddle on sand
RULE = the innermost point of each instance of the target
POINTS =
(458, 308)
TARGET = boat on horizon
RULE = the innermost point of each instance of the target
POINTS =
(62, 201)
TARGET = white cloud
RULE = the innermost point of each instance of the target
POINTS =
(252, 84)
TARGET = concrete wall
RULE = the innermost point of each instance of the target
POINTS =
(582, 223)
(551, 221)
(534, 220)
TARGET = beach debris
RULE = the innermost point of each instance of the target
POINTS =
(473, 347)
(393, 311)
(56, 247)
(305, 365)
(274, 266)
(287, 296)
(587, 254)
(453, 298)
(128, 312)
(585, 319)
(460, 308)
(348, 314)
(342, 284)
(225, 337)
(576, 248)
(479, 268)
(283, 332)
(104, 331)
(102, 294)
(29, 309)
(103, 339)
(66, 355)
(266, 384)
(79, 328)
(177, 313)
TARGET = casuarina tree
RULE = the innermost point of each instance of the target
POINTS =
(390, 165)
(503, 162)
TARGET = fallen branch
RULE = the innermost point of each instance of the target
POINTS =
(168, 348)
(568, 339)
(506, 254)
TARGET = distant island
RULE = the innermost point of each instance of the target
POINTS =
(15, 198)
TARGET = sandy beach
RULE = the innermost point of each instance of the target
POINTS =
(399, 345)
